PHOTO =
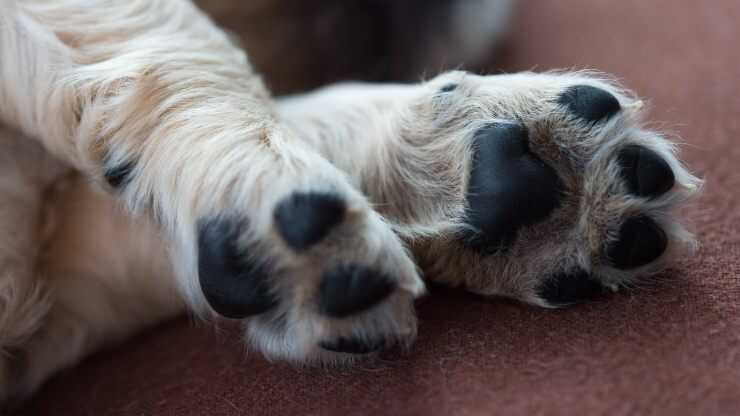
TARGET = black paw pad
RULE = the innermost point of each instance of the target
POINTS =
(569, 288)
(352, 346)
(304, 219)
(589, 103)
(640, 242)
(348, 290)
(234, 285)
(645, 173)
(509, 187)
(119, 175)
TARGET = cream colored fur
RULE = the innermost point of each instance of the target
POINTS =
(103, 83)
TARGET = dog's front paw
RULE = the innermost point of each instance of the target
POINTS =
(318, 272)
(548, 189)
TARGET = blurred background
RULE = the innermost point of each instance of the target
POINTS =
(301, 44)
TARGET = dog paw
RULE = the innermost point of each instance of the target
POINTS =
(262, 227)
(321, 276)
(562, 194)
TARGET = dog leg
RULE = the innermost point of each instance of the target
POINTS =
(153, 102)
(26, 172)
(106, 276)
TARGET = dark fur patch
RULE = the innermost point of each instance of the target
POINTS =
(589, 103)
(509, 187)
(233, 283)
(352, 346)
(304, 219)
(645, 172)
(120, 175)
(641, 240)
(568, 288)
(351, 289)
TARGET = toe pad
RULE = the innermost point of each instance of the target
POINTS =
(645, 173)
(233, 284)
(640, 242)
(351, 289)
(352, 346)
(304, 219)
(569, 288)
(589, 103)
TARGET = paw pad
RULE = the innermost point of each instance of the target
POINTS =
(569, 288)
(589, 103)
(645, 173)
(304, 219)
(234, 285)
(352, 346)
(348, 290)
(640, 242)
(509, 187)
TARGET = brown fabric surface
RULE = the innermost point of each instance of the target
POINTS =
(670, 349)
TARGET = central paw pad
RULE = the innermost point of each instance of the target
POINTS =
(510, 187)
